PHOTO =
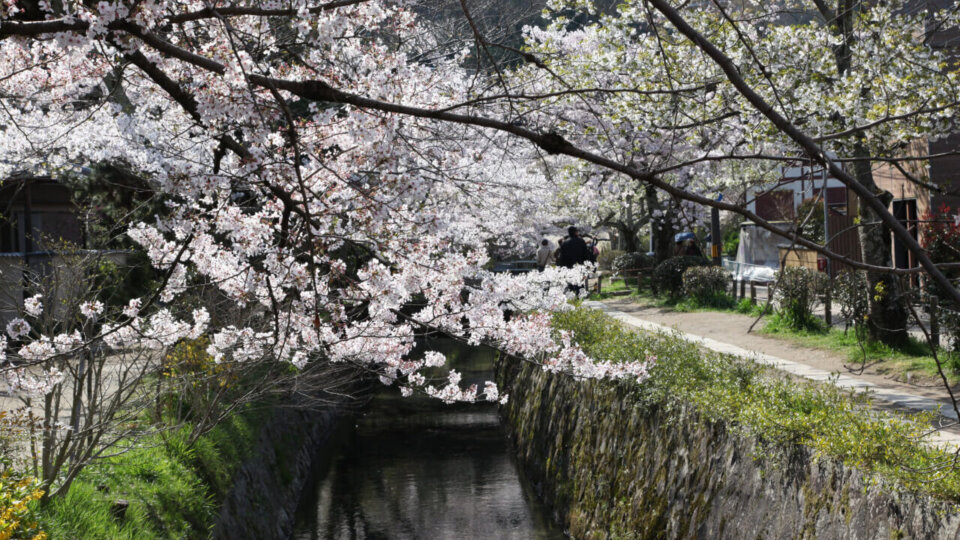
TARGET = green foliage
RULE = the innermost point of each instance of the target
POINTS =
(615, 287)
(193, 380)
(715, 301)
(705, 282)
(19, 496)
(627, 264)
(778, 412)
(668, 275)
(912, 357)
(606, 258)
(811, 210)
(850, 294)
(172, 487)
(798, 291)
(167, 498)
(731, 241)
(747, 307)
(784, 323)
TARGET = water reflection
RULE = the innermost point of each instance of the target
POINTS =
(416, 468)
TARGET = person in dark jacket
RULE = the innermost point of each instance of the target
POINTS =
(574, 251)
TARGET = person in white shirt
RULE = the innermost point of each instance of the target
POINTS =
(544, 255)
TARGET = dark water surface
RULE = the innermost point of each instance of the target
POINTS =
(416, 468)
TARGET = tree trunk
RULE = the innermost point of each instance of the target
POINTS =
(631, 243)
(888, 316)
(660, 229)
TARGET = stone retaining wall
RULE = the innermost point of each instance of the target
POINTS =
(268, 487)
(611, 469)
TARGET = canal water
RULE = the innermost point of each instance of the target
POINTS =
(416, 468)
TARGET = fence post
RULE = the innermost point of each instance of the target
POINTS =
(743, 289)
(934, 322)
(753, 292)
(599, 283)
(733, 288)
(828, 308)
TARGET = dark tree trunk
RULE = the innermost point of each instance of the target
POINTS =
(661, 230)
(631, 243)
(888, 315)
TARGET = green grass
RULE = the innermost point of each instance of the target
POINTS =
(746, 307)
(913, 358)
(715, 302)
(615, 288)
(719, 302)
(778, 411)
(173, 490)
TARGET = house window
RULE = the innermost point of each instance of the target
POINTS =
(9, 234)
(776, 205)
(906, 213)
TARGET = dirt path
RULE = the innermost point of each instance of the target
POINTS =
(732, 328)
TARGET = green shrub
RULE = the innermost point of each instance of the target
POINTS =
(748, 307)
(849, 291)
(714, 301)
(705, 282)
(798, 292)
(19, 495)
(668, 275)
(627, 264)
(606, 258)
(731, 241)
(950, 337)
(812, 228)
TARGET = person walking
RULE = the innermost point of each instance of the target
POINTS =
(544, 255)
(574, 251)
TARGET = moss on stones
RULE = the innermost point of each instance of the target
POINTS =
(610, 468)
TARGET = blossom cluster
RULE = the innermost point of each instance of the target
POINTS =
(322, 224)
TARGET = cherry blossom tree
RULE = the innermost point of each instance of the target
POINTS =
(336, 174)
(868, 89)
(339, 232)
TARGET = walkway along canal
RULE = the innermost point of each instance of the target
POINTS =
(417, 468)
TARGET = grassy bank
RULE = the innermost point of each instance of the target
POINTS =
(913, 359)
(615, 287)
(173, 490)
(777, 411)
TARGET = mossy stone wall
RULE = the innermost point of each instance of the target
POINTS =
(610, 468)
(268, 487)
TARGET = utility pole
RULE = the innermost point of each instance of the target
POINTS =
(715, 241)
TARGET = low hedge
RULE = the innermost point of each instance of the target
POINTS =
(705, 282)
(798, 292)
(627, 264)
(668, 275)
(776, 410)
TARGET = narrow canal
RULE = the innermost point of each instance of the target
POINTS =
(416, 468)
